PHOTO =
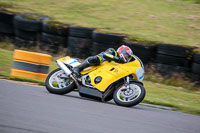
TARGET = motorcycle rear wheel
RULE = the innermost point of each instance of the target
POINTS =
(58, 83)
(129, 97)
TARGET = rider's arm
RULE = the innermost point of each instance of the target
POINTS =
(110, 57)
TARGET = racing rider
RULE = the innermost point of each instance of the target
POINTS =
(122, 55)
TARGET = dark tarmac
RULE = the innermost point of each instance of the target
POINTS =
(31, 109)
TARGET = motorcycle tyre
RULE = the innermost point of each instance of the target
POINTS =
(62, 91)
(132, 103)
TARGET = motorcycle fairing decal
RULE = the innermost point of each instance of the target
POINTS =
(141, 76)
(72, 62)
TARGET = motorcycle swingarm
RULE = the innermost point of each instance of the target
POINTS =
(90, 93)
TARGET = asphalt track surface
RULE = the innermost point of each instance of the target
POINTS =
(31, 109)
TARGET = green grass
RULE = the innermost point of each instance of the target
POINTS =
(6, 63)
(174, 79)
(167, 21)
(171, 96)
(181, 99)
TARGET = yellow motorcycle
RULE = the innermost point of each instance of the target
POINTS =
(110, 80)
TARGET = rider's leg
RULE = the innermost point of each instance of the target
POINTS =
(90, 61)
(82, 66)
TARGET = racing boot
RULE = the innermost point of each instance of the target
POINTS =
(79, 68)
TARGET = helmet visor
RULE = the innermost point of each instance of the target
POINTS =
(126, 55)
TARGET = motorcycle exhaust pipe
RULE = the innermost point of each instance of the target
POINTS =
(67, 71)
(63, 67)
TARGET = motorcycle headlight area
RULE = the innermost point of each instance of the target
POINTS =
(140, 73)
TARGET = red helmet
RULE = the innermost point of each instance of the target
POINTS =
(125, 53)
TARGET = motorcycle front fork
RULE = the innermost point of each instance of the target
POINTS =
(127, 81)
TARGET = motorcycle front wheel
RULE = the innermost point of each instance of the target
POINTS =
(129, 96)
(58, 83)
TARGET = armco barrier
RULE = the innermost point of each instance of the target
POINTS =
(30, 64)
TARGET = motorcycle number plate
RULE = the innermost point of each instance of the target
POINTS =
(70, 61)
(64, 59)
(73, 62)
